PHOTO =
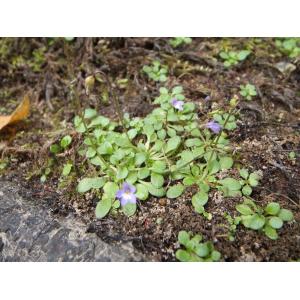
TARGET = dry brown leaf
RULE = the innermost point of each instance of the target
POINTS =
(20, 113)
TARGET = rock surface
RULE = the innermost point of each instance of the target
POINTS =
(28, 232)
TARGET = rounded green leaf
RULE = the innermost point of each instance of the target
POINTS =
(202, 250)
(183, 237)
(65, 141)
(231, 183)
(247, 190)
(244, 209)
(175, 191)
(90, 113)
(183, 255)
(253, 179)
(270, 232)
(157, 192)
(173, 143)
(275, 222)
(226, 162)
(257, 222)
(91, 152)
(67, 169)
(140, 158)
(189, 181)
(90, 183)
(142, 192)
(159, 166)
(110, 189)
(129, 209)
(200, 199)
(286, 215)
(103, 207)
(215, 255)
(272, 208)
(122, 173)
(143, 173)
(157, 180)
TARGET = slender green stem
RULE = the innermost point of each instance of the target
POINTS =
(215, 142)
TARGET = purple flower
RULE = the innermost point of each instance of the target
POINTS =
(126, 194)
(214, 126)
(177, 104)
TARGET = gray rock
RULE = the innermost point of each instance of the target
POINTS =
(28, 232)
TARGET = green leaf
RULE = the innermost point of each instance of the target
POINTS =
(129, 209)
(275, 222)
(140, 158)
(143, 173)
(270, 232)
(200, 199)
(247, 190)
(183, 237)
(215, 255)
(142, 192)
(116, 204)
(175, 191)
(243, 54)
(105, 148)
(90, 113)
(79, 125)
(132, 177)
(173, 143)
(187, 181)
(199, 209)
(110, 189)
(213, 167)
(65, 141)
(202, 250)
(122, 173)
(244, 209)
(100, 120)
(157, 180)
(253, 179)
(90, 153)
(159, 166)
(55, 148)
(286, 215)
(103, 207)
(255, 222)
(226, 162)
(183, 256)
(195, 142)
(231, 183)
(187, 156)
(67, 169)
(157, 192)
(90, 183)
(272, 208)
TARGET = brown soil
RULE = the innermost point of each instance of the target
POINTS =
(268, 130)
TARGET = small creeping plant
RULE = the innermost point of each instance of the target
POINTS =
(232, 58)
(156, 72)
(268, 219)
(194, 250)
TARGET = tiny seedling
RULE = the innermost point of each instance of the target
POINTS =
(232, 58)
(267, 220)
(248, 91)
(249, 181)
(156, 71)
(289, 46)
(232, 226)
(195, 251)
(178, 41)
